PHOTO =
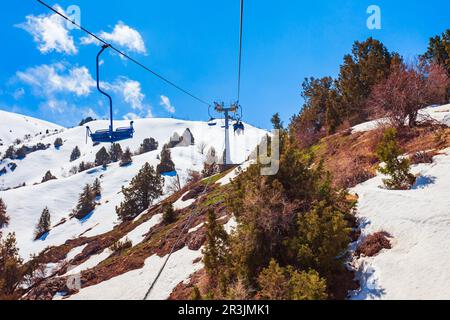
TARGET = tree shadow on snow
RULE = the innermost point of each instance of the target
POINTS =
(370, 288)
(423, 181)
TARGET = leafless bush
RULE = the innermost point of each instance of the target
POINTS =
(408, 89)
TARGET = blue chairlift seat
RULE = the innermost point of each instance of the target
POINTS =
(212, 122)
(238, 126)
(109, 135)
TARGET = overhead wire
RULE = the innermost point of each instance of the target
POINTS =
(161, 77)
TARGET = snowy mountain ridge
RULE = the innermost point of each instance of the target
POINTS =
(26, 203)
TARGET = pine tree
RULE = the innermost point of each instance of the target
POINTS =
(215, 252)
(21, 153)
(279, 283)
(75, 154)
(166, 165)
(369, 63)
(169, 215)
(148, 145)
(115, 152)
(398, 168)
(86, 203)
(276, 121)
(11, 273)
(144, 188)
(102, 158)
(44, 224)
(10, 153)
(48, 176)
(97, 188)
(126, 158)
(4, 218)
(58, 143)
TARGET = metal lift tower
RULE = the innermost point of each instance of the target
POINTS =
(220, 108)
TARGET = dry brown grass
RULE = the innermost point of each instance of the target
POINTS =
(351, 158)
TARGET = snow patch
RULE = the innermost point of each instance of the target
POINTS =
(418, 265)
(133, 285)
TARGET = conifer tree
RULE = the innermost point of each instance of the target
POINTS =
(169, 215)
(11, 273)
(215, 252)
(97, 188)
(75, 154)
(4, 218)
(144, 188)
(279, 283)
(166, 165)
(102, 158)
(48, 176)
(148, 145)
(115, 152)
(44, 224)
(10, 153)
(276, 121)
(126, 158)
(396, 167)
(58, 143)
(86, 203)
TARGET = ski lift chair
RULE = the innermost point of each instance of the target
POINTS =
(109, 135)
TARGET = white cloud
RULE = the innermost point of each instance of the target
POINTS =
(55, 105)
(123, 36)
(50, 33)
(89, 112)
(165, 102)
(130, 90)
(149, 113)
(132, 94)
(131, 116)
(47, 80)
(18, 93)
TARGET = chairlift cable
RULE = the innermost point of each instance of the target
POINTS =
(241, 28)
(175, 245)
(124, 54)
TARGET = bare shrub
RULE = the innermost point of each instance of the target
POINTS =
(408, 89)
(373, 244)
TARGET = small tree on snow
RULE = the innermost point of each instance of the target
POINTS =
(75, 154)
(97, 188)
(4, 219)
(48, 176)
(102, 158)
(126, 158)
(398, 168)
(86, 203)
(58, 143)
(166, 165)
(115, 152)
(144, 188)
(148, 145)
(44, 224)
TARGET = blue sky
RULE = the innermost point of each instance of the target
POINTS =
(193, 43)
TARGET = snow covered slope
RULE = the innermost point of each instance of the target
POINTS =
(438, 113)
(25, 204)
(418, 265)
(15, 126)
